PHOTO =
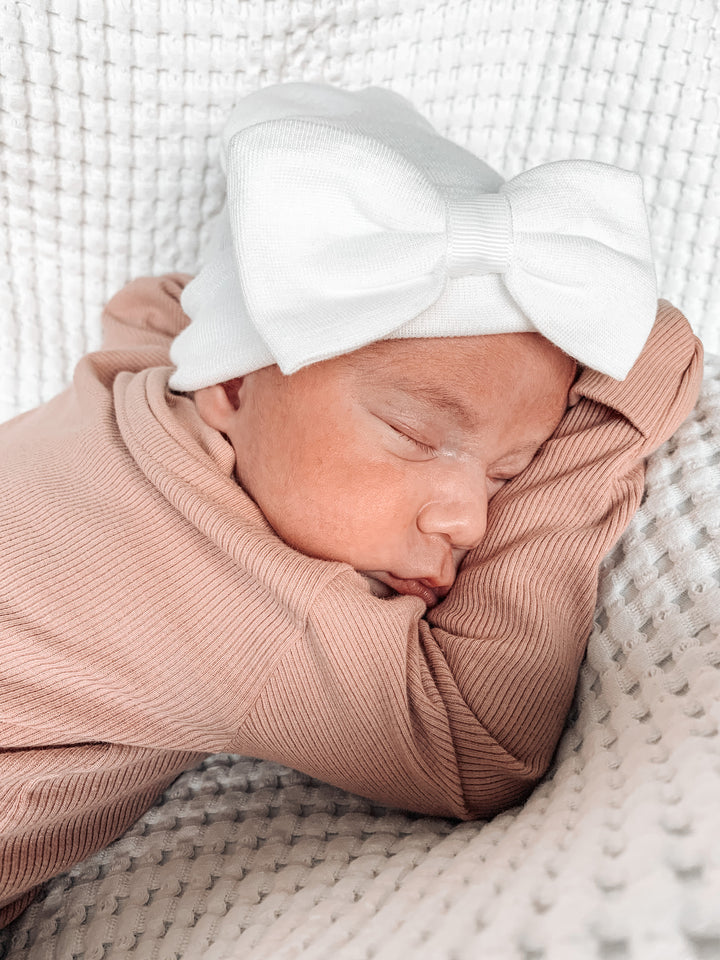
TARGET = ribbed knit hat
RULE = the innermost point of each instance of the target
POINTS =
(349, 219)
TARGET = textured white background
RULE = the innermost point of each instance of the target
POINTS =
(109, 117)
(110, 114)
(615, 855)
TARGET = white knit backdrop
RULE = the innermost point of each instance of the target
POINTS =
(110, 113)
(109, 120)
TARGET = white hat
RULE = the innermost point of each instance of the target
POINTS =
(349, 219)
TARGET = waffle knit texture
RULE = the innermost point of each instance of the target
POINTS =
(150, 613)
(612, 854)
(112, 114)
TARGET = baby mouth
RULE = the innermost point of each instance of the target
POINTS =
(411, 587)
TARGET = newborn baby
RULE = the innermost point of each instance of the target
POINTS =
(338, 504)
(386, 458)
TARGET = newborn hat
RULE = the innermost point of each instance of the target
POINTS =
(349, 219)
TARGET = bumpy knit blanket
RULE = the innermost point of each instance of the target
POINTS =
(615, 854)
(110, 112)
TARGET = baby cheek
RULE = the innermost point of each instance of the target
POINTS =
(366, 499)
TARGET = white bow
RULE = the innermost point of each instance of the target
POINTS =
(358, 225)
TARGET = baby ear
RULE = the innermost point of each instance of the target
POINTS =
(217, 404)
(232, 389)
(573, 396)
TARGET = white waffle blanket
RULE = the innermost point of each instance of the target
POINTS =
(615, 854)
(109, 115)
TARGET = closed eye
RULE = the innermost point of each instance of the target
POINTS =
(503, 475)
(426, 448)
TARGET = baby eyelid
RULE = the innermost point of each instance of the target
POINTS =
(426, 448)
(504, 476)
(423, 446)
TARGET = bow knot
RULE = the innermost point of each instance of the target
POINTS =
(479, 235)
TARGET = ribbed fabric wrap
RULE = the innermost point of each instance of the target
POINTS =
(150, 614)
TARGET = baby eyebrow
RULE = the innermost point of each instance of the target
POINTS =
(435, 397)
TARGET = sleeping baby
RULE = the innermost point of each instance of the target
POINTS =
(339, 500)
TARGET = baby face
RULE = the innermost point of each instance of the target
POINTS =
(386, 458)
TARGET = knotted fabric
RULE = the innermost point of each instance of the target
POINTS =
(349, 219)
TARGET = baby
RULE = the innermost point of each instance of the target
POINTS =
(339, 500)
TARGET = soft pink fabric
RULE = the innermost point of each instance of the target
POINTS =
(150, 615)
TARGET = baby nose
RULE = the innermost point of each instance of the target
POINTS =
(462, 521)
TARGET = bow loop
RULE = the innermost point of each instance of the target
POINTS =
(583, 268)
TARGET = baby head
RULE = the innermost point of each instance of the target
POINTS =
(384, 328)
(386, 457)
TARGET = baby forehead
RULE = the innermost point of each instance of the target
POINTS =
(420, 357)
(461, 376)
(459, 362)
